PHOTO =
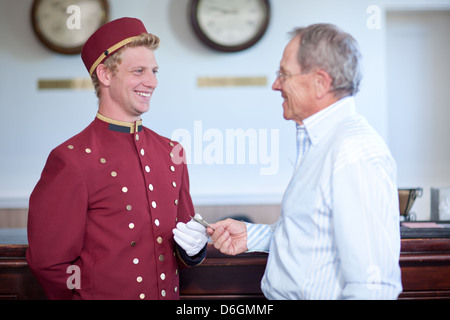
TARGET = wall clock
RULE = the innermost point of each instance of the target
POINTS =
(230, 25)
(65, 25)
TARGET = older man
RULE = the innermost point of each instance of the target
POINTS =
(102, 214)
(338, 234)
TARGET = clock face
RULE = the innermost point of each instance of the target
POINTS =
(230, 25)
(65, 25)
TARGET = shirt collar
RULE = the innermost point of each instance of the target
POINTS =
(320, 123)
(121, 126)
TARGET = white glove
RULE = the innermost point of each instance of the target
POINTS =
(191, 236)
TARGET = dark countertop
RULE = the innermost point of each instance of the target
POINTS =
(425, 230)
(439, 230)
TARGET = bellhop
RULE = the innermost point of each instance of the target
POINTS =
(107, 202)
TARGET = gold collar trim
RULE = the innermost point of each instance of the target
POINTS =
(121, 126)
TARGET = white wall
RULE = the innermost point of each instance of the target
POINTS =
(418, 96)
(33, 122)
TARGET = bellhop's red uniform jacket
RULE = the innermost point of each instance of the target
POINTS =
(106, 203)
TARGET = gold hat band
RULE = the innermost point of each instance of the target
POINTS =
(110, 51)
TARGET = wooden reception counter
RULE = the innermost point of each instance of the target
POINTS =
(425, 264)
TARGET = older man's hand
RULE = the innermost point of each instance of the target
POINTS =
(230, 236)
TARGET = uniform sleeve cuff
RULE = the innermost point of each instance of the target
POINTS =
(194, 260)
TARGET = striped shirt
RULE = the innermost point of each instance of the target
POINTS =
(338, 236)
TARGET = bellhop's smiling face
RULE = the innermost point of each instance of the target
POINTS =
(128, 90)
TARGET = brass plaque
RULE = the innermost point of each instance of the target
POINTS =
(67, 84)
(204, 82)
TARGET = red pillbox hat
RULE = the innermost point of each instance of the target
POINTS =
(108, 39)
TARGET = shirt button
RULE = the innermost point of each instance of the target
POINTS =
(142, 296)
(135, 261)
(163, 276)
(131, 226)
(137, 137)
(154, 204)
(159, 240)
(124, 189)
(147, 169)
(172, 168)
(163, 293)
(161, 258)
(157, 222)
(139, 279)
(150, 187)
(133, 243)
(142, 152)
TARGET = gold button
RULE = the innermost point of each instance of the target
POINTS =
(163, 293)
(142, 296)
(163, 276)
(124, 189)
(154, 204)
(157, 222)
(139, 279)
(133, 243)
(147, 169)
(113, 174)
(159, 240)
(103, 160)
(135, 260)
(131, 226)
(87, 150)
(161, 258)
(150, 187)
(71, 147)
(142, 152)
